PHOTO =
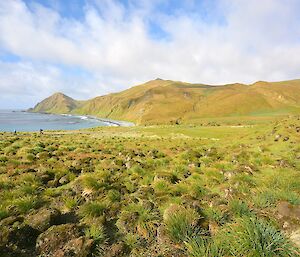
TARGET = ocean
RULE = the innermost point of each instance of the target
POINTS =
(11, 120)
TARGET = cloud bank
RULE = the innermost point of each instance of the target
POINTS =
(109, 45)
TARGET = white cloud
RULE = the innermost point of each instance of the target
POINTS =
(257, 40)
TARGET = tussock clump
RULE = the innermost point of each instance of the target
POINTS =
(180, 222)
(138, 219)
(255, 237)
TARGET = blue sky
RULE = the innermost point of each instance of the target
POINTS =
(86, 48)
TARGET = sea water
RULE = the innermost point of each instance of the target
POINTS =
(11, 120)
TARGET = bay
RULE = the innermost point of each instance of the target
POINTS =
(18, 120)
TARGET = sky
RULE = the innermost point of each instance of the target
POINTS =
(86, 48)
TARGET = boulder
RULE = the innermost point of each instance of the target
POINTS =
(17, 238)
(43, 219)
(63, 240)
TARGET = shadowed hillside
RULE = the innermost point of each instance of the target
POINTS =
(165, 101)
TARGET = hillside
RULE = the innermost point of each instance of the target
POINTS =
(57, 103)
(165, 101)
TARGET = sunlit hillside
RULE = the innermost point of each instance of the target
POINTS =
(165, 101)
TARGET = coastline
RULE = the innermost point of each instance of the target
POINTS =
(118, 123)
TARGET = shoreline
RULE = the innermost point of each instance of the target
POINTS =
(118, 123)
(21, 121)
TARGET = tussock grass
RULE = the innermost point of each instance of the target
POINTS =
(92, 209)
(180, 222)
(201, 246)
(254, 237)
(176, 190)
(136, 218)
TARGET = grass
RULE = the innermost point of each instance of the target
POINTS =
(239, 208)
(92, 209)
(138, 219)
(245, 237)
(162, 190)
(254, 237)
(199, 246)
(97, 233)
(26, 203)
(180, 222)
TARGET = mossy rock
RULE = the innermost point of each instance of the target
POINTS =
(17, 238)
(63, 240)
(43, 219)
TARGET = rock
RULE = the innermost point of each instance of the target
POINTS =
(17, 238)
(282, 163)
(117, 249)
(43, 219)
(75, 170)
(43, 155)
(213, 227)
(228, 192)
(128, 165)
(286, 211)
(64, 180)
(63, 240)
(248, 169)
(79, 247)
(295, 237)
(285, 225)
(277, 137)
(45, 177)
(53, 183)
(68, 217)
(23, 236)
(228, 175)
(11, 220)
(286, 139)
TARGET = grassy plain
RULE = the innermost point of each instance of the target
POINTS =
(228, 187)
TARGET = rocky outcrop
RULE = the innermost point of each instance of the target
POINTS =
(43, 219)
(63, 240)
(17, 238)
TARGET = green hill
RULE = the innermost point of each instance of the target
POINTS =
(165, 101)
(57, 103)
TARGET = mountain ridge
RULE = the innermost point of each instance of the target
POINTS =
(166, 101)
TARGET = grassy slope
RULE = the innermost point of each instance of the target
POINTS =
(164, 101)
(57, 103)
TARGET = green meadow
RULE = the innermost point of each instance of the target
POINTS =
(223, 187)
